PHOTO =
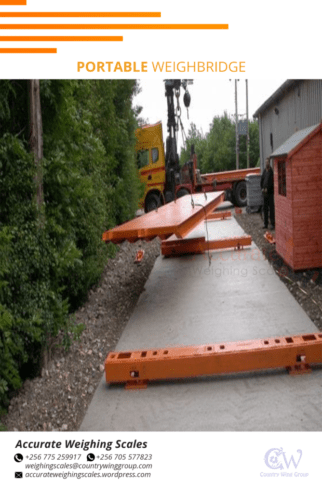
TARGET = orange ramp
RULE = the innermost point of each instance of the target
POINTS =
(178, 218)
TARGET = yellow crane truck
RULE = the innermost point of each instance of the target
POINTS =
(160, 172)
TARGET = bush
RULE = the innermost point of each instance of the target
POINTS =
(90, 183)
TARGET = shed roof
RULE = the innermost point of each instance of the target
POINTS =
(297, 140)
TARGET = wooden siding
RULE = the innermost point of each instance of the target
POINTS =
(299, 214)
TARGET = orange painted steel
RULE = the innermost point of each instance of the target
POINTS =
(139, 256)
(137, 368)
(219, 215)
(173, 246)
(178, 218)
(230, 176)
(270, 238)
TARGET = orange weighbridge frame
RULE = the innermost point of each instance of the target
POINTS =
(172, 223)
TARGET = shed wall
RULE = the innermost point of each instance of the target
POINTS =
(299, 214)
(307, 209)
(284, 216)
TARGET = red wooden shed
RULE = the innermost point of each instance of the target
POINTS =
(298, 199)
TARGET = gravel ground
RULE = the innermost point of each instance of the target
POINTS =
(305, 286)
(58, 399)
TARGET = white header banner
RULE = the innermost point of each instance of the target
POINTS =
(65, 39)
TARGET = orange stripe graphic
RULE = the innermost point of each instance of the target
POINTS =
(13, 2)
(151, 171)
(80, 14)
(114, 26)
(154, 184)
(61, 38)
(28, 50)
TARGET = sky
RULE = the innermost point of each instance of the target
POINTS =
(208, 99)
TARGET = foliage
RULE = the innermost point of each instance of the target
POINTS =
(216, 150)
(90, 183)
(197, 139)
(9, 374)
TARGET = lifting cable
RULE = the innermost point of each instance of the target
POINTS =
(207, 233)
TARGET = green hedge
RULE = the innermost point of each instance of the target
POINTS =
(90, 184)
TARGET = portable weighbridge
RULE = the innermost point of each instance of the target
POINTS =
(298, 193)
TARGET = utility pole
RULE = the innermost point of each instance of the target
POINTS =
(36, 148)
(237, 133)
(36, 140)
(248, 140)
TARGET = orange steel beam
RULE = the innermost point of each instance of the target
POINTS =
(219, 215)
(137, 368)
(227, 176)
(173, 246)
(178, 218)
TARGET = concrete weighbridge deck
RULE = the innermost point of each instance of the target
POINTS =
(188, 302)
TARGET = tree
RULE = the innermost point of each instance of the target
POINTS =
(196, 138)
(220, 153)
(216, 151)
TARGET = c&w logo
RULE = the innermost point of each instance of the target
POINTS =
(276, 458)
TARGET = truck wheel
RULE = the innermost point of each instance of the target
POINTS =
(240, 194)
(152, 202)
(229, 195)
(182, 192)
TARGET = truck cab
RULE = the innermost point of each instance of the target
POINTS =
(151, 165)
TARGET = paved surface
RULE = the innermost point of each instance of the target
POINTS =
(186, 302)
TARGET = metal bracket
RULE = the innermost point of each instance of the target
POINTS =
(301, 368)
(136, 385)
(139, 256)
(270, 238)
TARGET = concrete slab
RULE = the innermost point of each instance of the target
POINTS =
(187, 301)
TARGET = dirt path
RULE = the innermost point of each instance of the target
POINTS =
(58, 399)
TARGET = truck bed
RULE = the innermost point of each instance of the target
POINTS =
(229, 176)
